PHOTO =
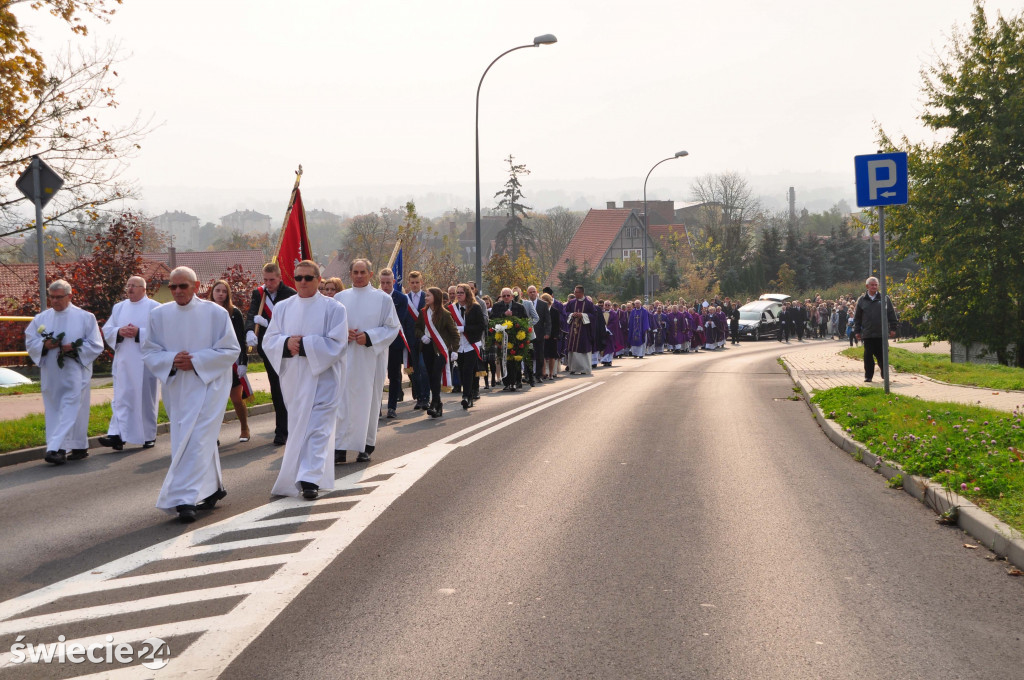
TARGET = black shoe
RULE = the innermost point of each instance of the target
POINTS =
(465, 403)
(438, 410)
(280, 441)
(339, 456)
(364, 456)
(401, 396)
(78, 454)
(186, 513)
(457, 389)
(418, 406)
(392, 414)
(309, 490)
(867, 379)
(56, 457)
(210, 502)
(150, 444)
(114, 441)
(430, 410)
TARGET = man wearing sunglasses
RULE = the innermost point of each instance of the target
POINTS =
(191, 347)
(503, 308)
(306, 343)
(261, 311)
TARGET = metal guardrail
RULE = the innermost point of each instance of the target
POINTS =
(24, 319)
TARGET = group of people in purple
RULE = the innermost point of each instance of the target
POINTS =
(595, 333)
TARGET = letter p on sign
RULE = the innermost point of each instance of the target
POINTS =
(881, 179)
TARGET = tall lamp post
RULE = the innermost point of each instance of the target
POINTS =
(546, 39)
(647, 289)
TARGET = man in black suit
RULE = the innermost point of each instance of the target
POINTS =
(400, 345)
(506, 307)
(542, 329)
(261, 309)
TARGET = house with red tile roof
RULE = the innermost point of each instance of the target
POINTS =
(17, 280)
(210, 265)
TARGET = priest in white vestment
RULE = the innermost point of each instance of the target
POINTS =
(134, 406)
(191, 348)
(372, 326)
(65, 369)
(306, 344)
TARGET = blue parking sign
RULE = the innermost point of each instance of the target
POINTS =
(881, 179)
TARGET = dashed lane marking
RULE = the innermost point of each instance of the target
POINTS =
(339, 517)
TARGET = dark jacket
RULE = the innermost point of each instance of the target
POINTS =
(867, 319)
(499, 308)
(543, 327)
(445, 325)
(283, 293)
(404, 319)
(475, 323)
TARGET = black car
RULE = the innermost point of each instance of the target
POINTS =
(761, 319)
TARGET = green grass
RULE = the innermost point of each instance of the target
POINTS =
(31, 388)
(256, 367)
(939, 366)
(30, 430)
(977, 452)
(920, 338)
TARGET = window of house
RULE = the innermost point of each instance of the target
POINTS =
(629, 252)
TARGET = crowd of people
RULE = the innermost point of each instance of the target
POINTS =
(328, 351)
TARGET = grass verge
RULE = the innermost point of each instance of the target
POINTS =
(30, 430)
(939, 366)
(977, 452)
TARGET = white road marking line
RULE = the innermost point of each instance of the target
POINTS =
(227, 635)
(15, 626)
(186, 573)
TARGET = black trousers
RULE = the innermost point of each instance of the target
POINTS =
(435, 365)
(538, 356)
(872, 351)
(515, 373)
(468, 362)
(280, 412)
(395, 356)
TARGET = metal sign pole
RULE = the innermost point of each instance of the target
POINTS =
(37, 199)
(885, 299)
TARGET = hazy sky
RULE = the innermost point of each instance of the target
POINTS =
(376, 99)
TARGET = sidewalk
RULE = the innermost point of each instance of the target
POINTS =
(19, 405)
(820, 367)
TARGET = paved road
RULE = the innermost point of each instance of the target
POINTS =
(671, 517)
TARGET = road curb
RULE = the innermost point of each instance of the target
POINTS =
(37, 452)
(1000, 538)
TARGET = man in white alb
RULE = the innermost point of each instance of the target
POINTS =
(306, 344)
(191, 347)
(63, 341)
(134, 406)
(372, 326)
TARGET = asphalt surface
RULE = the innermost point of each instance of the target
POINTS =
(682, 518)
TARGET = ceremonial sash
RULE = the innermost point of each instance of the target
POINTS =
(412, 309)
(442, 351)
(406, 353)
(461, 323)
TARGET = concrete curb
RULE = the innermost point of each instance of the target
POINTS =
(1000, 538)
(37, 452)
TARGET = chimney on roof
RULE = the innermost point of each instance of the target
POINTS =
(610, 205)
(172, 257)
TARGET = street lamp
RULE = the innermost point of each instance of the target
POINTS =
(546, 39)
(647, 289)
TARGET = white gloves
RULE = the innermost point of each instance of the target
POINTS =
(250, 339)
(242, 368)
(455, 355)
(426, 339)
(261, 321)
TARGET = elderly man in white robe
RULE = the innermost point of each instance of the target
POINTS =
(306, 344)
(134, 406)
(372, 325)
(63, 341)
(190, 348)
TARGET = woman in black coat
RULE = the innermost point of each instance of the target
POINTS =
(469, 318)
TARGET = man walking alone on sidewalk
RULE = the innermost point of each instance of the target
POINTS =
(867, 326)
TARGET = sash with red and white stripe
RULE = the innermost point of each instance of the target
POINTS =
(406, 353)
(412, 309)
(461, 323)
(442, 350)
